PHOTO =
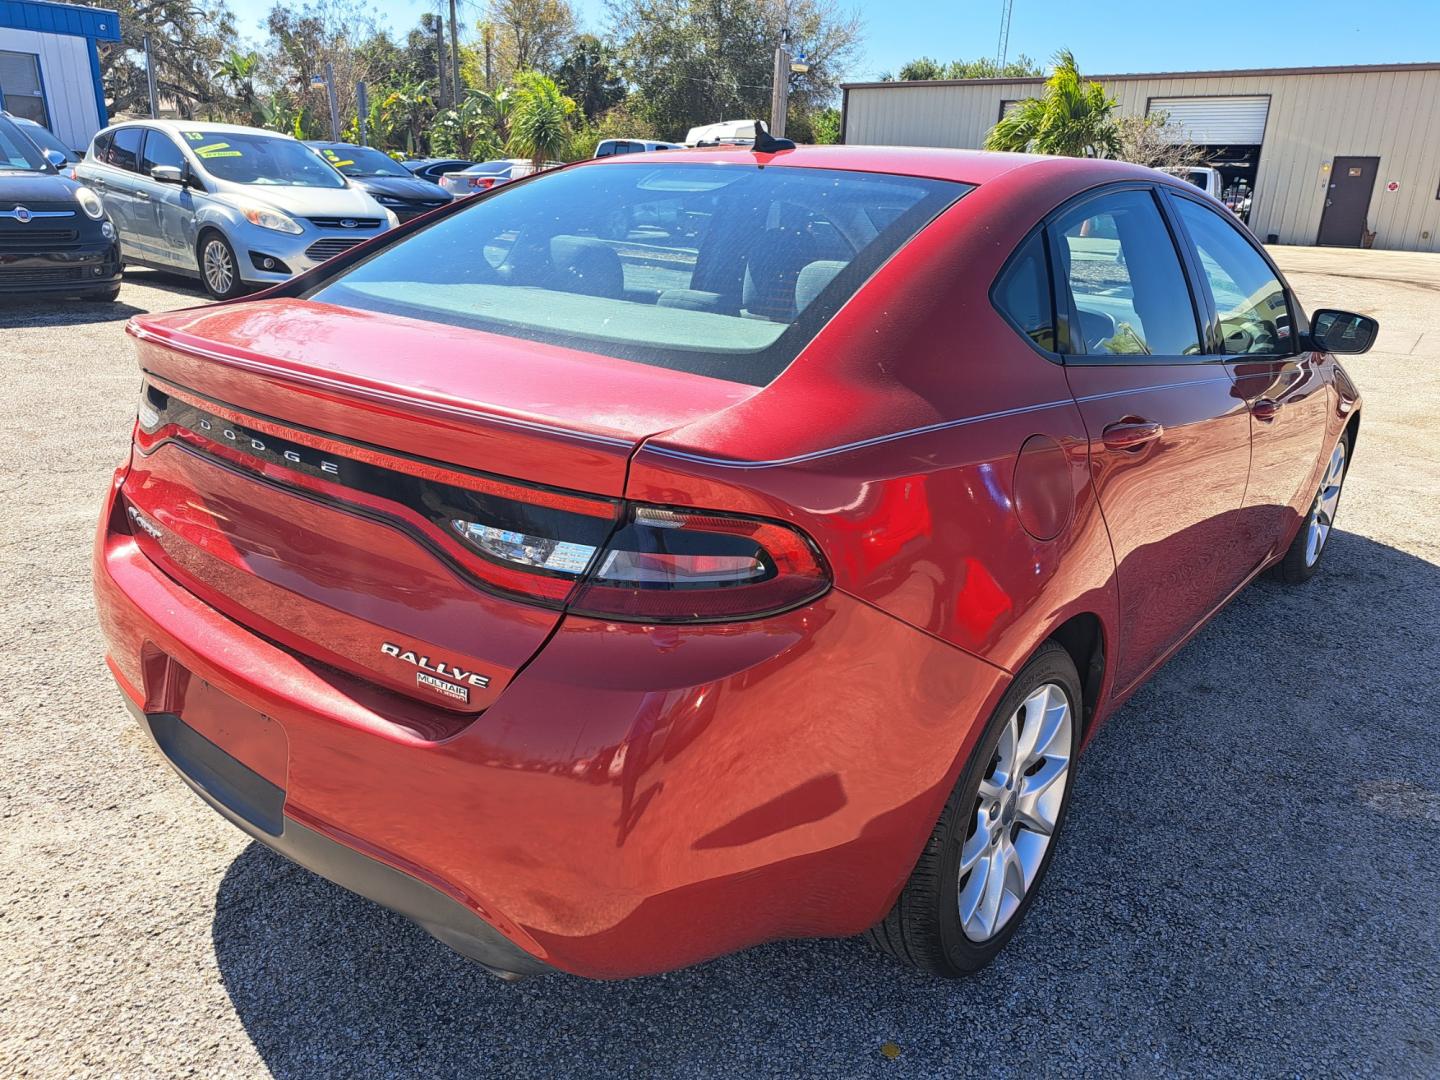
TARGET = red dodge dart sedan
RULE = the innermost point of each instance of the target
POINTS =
(676, 552)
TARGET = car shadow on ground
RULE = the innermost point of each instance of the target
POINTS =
(59, 312)
(1248, 884)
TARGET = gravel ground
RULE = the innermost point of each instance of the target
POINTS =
(1249, 884)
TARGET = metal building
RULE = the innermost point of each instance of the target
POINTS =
(50, 67)
(1340, 156)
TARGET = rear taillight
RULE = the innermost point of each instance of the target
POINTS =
(482, 183)
(665, 565)
(559, 549)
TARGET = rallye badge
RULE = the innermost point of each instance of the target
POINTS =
(453, 682)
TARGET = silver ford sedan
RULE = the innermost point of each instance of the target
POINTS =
(237, 207)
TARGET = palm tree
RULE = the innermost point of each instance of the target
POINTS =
(1071, 119)
(238, 69)
(540, 121)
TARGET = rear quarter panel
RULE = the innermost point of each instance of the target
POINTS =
(895, 441)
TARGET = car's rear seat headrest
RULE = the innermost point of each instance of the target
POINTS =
(813, 279)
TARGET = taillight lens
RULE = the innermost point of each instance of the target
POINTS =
(482, 183)
(681, 565)
(667, 565)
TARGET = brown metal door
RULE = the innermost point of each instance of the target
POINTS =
(1347, 202)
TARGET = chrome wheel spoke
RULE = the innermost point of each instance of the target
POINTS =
(1017, 809)
(974, 849)
(1327, 501)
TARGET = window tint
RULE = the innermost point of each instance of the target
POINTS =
(725, 270)
(160, 150)
(1023, 293)
(1125, 277)
(1254, 315)
(125, 148)
(101, 148)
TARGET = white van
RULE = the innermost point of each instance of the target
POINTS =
(1205, 178)
(611, 147)
(740, 132)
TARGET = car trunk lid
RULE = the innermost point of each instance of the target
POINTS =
(306, 470)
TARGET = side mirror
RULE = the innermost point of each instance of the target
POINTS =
(56, 158)
(1342, 331)
(168, 174)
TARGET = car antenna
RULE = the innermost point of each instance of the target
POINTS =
(765, 143)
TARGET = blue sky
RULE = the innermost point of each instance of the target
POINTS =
(1107, 36)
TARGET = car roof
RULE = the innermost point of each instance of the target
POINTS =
(202, 125)
(939, 163)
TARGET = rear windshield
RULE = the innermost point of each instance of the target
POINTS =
(721, 269)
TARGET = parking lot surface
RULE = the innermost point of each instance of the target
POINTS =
(1249, 883)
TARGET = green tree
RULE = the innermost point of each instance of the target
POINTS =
(238, 70)
(540, 124)
(405, 114)
(478, 129)
(187, 41)
(527, 35)
(925, 68)
(697, 61)
(590, 75)
(1072, 118)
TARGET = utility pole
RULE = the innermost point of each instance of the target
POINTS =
(440, 54)
(780, 94)
(362, 110)
(454, 57)
(334, 105)
(780, 87)
(487, 34)
(150, 81)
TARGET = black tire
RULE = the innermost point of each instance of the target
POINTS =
(1298, 566)
(924, 929)
(236, 287)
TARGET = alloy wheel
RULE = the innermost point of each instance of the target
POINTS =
(219, 267)
(1327, 501)
(1017, 809)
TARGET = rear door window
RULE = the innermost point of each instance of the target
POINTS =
(722, 269)
(124, 152)
(1124, 274)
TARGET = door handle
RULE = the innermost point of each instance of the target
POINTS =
(1131, 434)
(143, 196)
(1265, 409)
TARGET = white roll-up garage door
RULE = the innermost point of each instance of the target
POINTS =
(1217, 121)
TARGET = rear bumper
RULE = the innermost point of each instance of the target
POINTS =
(638, 799)
(256, 806)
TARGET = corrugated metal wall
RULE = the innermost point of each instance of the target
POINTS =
(69, 85)
(1393, 115)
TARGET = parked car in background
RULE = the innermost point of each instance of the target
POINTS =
(234, 206)
(610, 147)
(606, 607)
(432, 169)
(485, 175)
(46, 139)
(392, 185)
(55, 237)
